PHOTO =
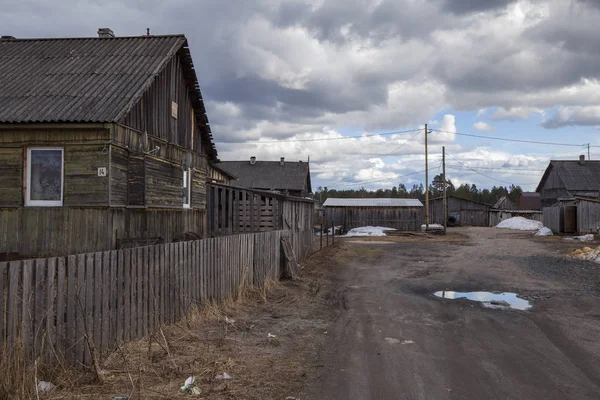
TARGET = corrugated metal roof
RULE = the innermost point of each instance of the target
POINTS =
(78, 79)
(385, 202)
(269, 175)
(576, 176)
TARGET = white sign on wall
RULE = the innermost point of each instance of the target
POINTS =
(101, 171)
(174, 109)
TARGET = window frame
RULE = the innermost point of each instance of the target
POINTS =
(44, 203)
(187, 186)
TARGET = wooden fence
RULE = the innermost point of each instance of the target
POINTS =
(234, 210)
(61, 307)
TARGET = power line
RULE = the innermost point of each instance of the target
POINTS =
(385, 180)
(500, 169)
(512, 140)
(487, 176)
(320, 139)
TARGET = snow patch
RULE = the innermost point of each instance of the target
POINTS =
(584, 238)
(520, 224)
(367, 231)
(544, 232)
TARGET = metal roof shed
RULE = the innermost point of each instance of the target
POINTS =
(400, 214)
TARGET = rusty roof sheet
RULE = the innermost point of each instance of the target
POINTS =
(78, 79)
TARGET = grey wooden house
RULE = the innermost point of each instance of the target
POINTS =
(104, 141)
(461, 212)
(286, 177)
(569, 179)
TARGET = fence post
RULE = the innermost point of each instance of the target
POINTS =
(332, 232)
(327, 234)
(322, 235)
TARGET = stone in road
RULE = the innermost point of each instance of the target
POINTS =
(395, 340)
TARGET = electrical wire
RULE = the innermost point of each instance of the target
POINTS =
(320, 139)
(487, 176)
(511, 140)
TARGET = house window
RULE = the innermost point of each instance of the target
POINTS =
(187, 188)
(45, 176)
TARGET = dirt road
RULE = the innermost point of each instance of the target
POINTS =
(394, 340)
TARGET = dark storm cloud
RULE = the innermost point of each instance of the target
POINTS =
(471, 6)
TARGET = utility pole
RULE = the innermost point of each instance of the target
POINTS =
(426, 184)
(589, 158)
(444, 182)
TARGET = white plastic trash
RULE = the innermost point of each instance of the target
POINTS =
(44, 386)
(223, 377)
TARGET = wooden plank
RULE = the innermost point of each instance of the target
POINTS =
(151, 284)
(113, 300)
(105, 314)
(13, 301)
(80, 298)
(3, 304)
(193, 281)
(27, 309)
(51, 315)
(61, 307)
(39, 305)
(71, 308)
(145, 289)
(229, 211)
(97, 289)
(90, 288)
(163, 283)
(215, 211)
(140, 295)
(127, 273)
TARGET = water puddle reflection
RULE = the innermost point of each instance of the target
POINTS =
(488, 299)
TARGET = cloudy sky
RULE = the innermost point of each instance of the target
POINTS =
(279, 76)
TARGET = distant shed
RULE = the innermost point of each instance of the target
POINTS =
(460, 212)
(401, 214)
(530, 201)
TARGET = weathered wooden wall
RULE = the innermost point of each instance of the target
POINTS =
(552, 189)
(466, 212)
(152, 113)
(400, 218)
(553, 218)
(56, 307)
(588, 216)
(59, 231)
(233, 210)
(497, 216)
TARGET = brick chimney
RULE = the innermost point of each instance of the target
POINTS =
(282, 161)
(582, 159)
(105, 33)
(252, 160)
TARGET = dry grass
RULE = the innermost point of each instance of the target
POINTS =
(230, 337)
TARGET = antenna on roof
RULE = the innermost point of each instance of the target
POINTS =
(147, 31)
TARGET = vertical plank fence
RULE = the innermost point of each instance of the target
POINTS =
(62, 307)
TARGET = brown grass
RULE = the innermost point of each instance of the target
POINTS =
(228, 337)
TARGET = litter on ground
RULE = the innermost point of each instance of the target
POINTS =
(587, 254)
(432, 227)
(367, 231)
(270, 336)
(44, 386)
(520, 224)
(223, 377)
(544, 232)
(585, 238)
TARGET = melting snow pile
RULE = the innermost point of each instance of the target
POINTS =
(587, 253)
(367, 231)
(432, 226)
(520, 224)
(544, 232)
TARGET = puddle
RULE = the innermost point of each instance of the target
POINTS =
(488, 299)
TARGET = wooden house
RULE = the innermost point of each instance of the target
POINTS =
(569, 179)
(104, 143)
(461, 212)
(400, 214)
(286, 177)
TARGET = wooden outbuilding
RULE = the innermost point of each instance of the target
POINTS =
(400, 214)
(104, 142)
(461, 212)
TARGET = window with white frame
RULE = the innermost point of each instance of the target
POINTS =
(187, 188)
(45, 179)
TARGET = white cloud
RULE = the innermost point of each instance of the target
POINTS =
(482, 126)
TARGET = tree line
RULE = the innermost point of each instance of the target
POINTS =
(466, 191)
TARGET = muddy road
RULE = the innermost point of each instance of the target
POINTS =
(393, 339)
